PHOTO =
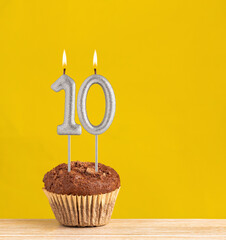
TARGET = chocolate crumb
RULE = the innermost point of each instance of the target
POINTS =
(90, 170)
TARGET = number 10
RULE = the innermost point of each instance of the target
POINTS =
(69, 126)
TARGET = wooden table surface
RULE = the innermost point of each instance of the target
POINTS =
(116, 229)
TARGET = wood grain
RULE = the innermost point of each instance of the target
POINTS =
(116, 229)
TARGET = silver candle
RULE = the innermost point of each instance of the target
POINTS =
(69, 126)
(109, 108)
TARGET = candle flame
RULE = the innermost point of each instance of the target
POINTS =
(95, 59)
(64, 60)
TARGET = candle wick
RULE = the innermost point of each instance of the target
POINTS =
(64, 70)
(95, 71)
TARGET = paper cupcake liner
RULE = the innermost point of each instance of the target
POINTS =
(82, 211)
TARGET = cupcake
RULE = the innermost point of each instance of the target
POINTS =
(82, 197)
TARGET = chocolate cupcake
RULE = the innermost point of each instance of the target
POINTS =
(82, 197)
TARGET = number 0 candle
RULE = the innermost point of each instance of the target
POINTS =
(109, 106)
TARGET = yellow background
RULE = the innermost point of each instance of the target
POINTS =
(166, 63)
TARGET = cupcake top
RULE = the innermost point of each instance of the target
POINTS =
(82, 179)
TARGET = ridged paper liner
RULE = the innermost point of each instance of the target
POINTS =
(82, 211)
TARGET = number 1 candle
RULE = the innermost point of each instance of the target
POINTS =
(69, 126)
